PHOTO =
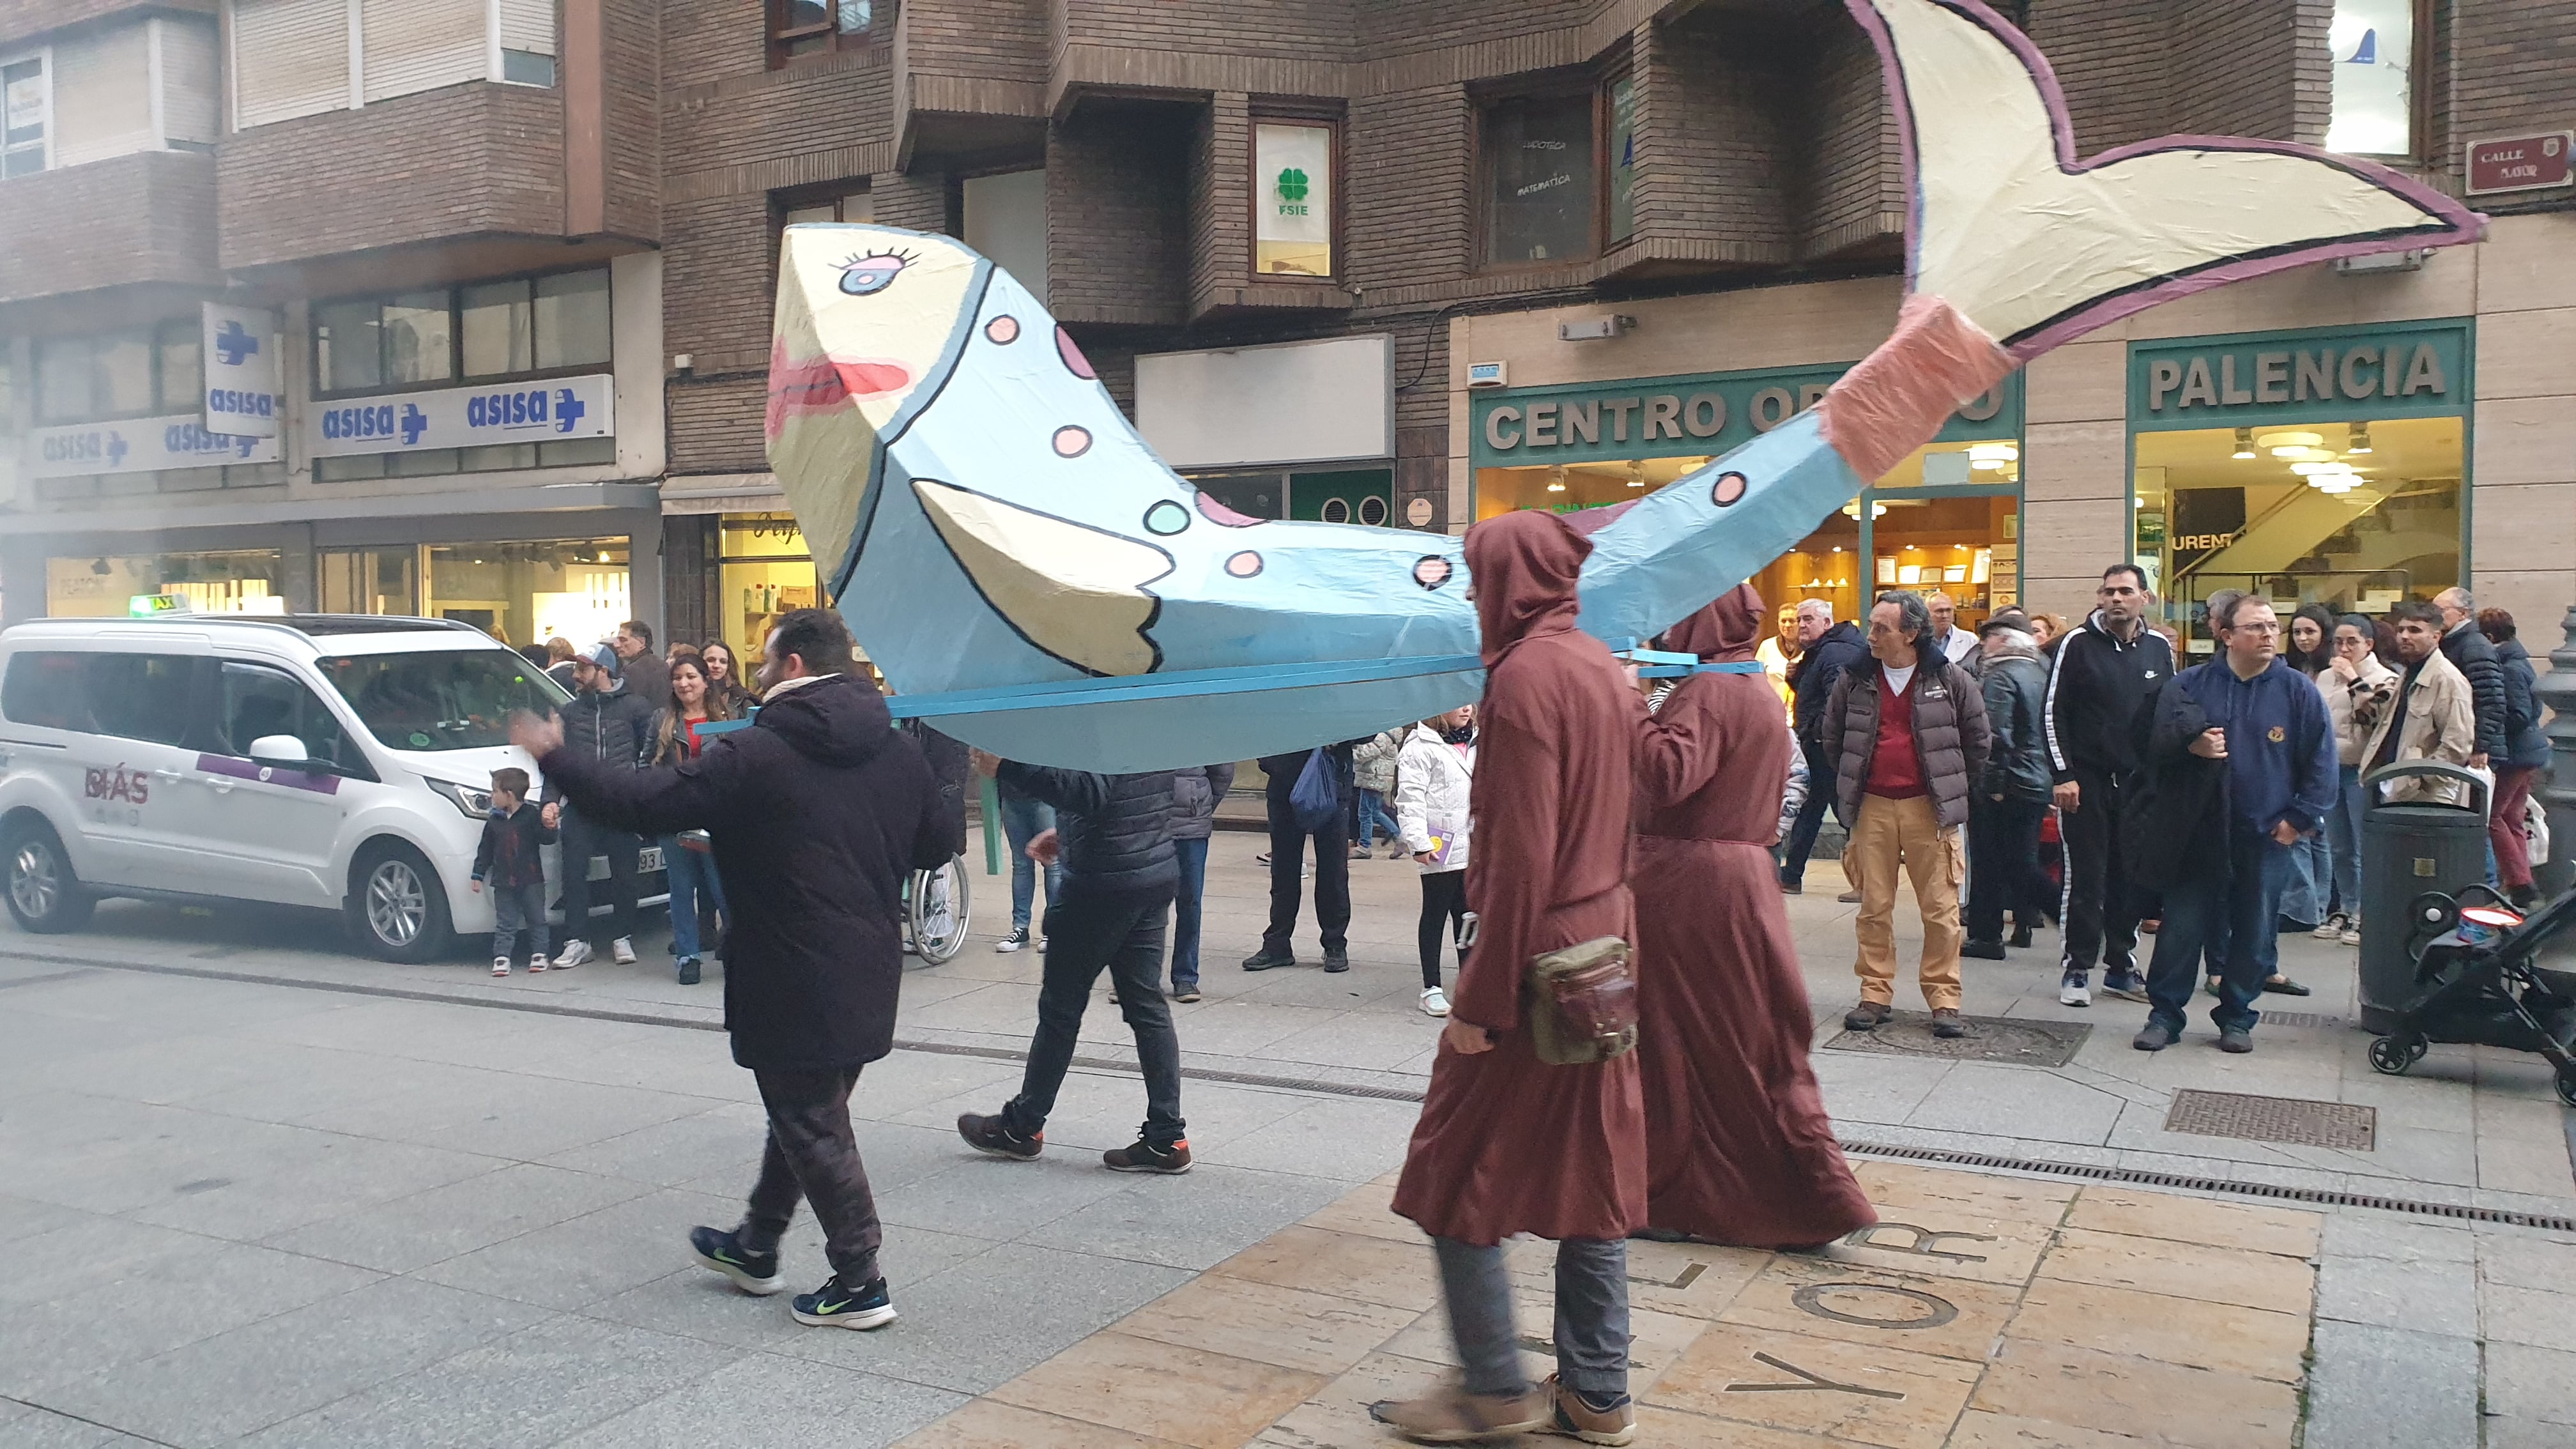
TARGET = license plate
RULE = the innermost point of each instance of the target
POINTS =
(650, 858)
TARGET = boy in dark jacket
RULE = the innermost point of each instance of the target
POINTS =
(816, 813)
(508, 858)
(1114, 835)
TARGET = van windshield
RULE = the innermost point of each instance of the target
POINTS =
(448, 699)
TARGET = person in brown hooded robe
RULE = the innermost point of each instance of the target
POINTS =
(1738, 1148)
(1506, 1143)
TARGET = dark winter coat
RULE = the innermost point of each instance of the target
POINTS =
(950, 765)
(2174, 826)
(1115, 831)
(2475, 657)
(817, 813)
(612, 730)
(1951, 739)
(2527, 745)
(508, 855)
(1195, 793)
(2016, 696)
(1818, 670)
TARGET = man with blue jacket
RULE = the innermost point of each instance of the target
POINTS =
(2266, 722)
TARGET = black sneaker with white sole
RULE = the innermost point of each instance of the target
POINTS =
(722, 1252)
(994, 1138)
(1145, 1156)
(835, 1305)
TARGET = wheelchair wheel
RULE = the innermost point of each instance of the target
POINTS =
(2567, 1084)
(2393, 1055)
(939, 911)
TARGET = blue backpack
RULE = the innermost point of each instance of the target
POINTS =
(1317, 795)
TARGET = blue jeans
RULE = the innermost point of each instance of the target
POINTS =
(1185, 911)
(1024, 820)
(2244, 900)
(1373, 812)
(689, 871)
(2311, 879)
(2343, 843)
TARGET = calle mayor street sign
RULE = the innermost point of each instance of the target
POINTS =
(2520, 163)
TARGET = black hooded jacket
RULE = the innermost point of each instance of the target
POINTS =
(818, 812)
(1820, 666)
(1115, 830)
(2464, 646)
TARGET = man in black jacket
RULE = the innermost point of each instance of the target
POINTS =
(612, 728)
(1288, 862)
(2106, 669)
(1825, 650)
(2008, 804)
(1114, 834)
(2474, 655)
(817, 813)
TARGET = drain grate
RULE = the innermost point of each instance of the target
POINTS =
(1989, 1039)
(2273, 1119)
(2300, 1018)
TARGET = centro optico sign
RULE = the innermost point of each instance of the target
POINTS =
(548, 411)
(1697, 414)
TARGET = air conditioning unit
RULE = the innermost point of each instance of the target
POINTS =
(2411, 261)
(1594, 329)
(1489, 374)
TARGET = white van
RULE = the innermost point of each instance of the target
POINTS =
(336, 761)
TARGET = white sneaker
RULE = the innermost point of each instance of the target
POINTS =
(573, 954)
(500, 965)
(1435, 1002)
(622, 951)
(2332, 927)
(2352, 932)
(1019, 937)
(2074, 991)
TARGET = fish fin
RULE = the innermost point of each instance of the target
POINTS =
(1074, 591)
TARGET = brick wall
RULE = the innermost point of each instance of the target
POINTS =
(1118, 218)
(1279, 29)
(2512, 65)
(468, 159)
(1714, 141)
(1410, 192)
(1220, 198)
(144, 218)
(1849, 184)
(634, 117)
(2136, 69)
(2109, 56)
(1404, 29)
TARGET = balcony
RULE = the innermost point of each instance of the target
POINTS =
(26, 19)
(143, 220)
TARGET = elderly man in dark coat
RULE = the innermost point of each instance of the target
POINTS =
(1508, 1144)
(1738, 1147)
(817, 813)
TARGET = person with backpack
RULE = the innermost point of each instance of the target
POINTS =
(1308, 795)
(2526, 755)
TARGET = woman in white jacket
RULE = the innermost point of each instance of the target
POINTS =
(1433, 773)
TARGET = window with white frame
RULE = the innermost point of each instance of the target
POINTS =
(2373, 47)
(27, 111)
(109, 91)
(295, 58)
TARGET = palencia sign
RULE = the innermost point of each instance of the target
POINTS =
(2330, 375)
(1691, 415)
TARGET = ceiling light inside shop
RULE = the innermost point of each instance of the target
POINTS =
(2360, 439)
(2289, 438)
(1985, 453)
(2244, 443)
(1556, 479)
(1636, 473)
(2304, 455)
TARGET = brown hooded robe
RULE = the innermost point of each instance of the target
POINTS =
(1507, 1144)
(1738, 1146)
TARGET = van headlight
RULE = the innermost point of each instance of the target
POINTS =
(474, 800)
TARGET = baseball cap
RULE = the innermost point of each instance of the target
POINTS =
(602, 656)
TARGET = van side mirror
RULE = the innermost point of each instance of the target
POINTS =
(279, 750)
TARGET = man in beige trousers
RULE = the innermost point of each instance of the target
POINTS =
(1906, 730)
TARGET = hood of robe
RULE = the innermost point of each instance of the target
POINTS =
(1724, 632)
(1525, 568)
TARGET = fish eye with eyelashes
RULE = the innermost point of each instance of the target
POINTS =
(867, 275)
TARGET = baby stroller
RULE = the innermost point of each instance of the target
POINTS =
(2478, 980)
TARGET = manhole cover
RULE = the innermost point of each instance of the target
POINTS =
(1989, 1039)
(2273, 1119)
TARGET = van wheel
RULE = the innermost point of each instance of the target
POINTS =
(396, 908)
(44, 895)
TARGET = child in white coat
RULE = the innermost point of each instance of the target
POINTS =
(1433, 774)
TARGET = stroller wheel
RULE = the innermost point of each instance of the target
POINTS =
(2567, 1084)
(2393, 1055)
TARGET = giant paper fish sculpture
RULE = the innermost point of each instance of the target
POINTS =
(1031, 577)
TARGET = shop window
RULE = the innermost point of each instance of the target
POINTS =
(1294, 192)
(2357, 515)
(129, 374)
(529, 592)
(764, 571)
(2374, 49)
(28, 110)
(1540, 180)
(232, 581)
(801, 28)
(520, 326)
(369, 580)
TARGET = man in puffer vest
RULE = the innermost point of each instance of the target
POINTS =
(1906, 730)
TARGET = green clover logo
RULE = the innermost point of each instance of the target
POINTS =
(1292, 184)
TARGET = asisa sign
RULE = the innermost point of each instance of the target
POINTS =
(139, 445)
(549, 411)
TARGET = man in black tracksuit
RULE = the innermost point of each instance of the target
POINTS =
(611, 727)
(2105, 672)
(1114, 834)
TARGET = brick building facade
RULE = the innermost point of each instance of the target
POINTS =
(1729, 183)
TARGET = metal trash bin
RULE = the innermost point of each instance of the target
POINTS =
(2407, 849)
